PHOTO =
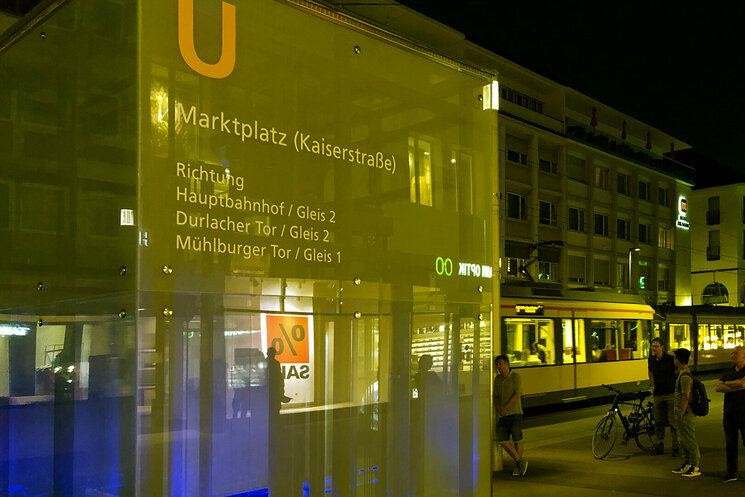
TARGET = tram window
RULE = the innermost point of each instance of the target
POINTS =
(632, 346)
(729, 335)
(710, 337)
(530, 342)
(680, 336)
(739, 335)
(603, 340)
(573, 340)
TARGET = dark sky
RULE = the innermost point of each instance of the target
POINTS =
(678, 66)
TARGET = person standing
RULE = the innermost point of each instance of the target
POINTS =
(661, 369)
(684, 418)
(507, 393)
(732, 384)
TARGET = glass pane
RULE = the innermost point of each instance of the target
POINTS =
(603, 340)
(68, 269)
(680, 336)
(530, 342)
(317, 302)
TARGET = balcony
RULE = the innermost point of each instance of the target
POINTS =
(597, 139)
(712, 253)
(712, 217)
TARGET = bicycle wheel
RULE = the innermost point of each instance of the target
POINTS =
(645, 435)
(605, 436)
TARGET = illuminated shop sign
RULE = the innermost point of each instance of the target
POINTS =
(13, 330)
(444, 266)
(534, 310)
(642, 282)
(682, 221)
(291, 336)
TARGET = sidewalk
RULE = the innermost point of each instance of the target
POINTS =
(561, 461)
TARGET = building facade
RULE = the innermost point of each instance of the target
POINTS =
(717, 252)
(594, 217)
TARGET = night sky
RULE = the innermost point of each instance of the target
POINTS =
(677, 66)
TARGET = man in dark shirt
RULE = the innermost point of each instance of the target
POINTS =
(732, 383)
(662, 378)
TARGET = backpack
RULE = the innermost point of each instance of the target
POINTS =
(699, 400)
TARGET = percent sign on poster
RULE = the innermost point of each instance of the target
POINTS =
(289, 337)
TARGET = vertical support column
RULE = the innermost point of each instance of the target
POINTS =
(398, 457)
(498, 186)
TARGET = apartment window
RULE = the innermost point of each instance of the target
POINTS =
(743, 209)
(663, 279)
(43, 209)
(643, 190)
(575, 269)
(513, 267)
(576, 219)
(602, 272)
(601, 224)
(623, 229)
(665, 238)
(602, 175)
(576, 169)
(517, 157)
(548, 271)
(547, 166)
(712, 250)
(420, 172)
(712, 215)
(644, 233)
(663, 196)
(622, 275)
(103, 217)
(516, 206)
(546, 213)
(623, 184)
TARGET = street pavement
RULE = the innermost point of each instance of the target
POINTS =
(558, 448)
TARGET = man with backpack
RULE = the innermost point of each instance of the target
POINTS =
(685, 418)
(732, 384)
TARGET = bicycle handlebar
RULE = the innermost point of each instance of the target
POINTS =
(641, 395)
(611, 388)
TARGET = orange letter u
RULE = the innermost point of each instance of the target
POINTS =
(223, 67)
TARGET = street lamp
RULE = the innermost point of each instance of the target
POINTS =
(631, 251)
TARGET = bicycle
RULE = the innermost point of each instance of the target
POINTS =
(639, 424)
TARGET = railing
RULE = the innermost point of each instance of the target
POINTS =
(621, 148)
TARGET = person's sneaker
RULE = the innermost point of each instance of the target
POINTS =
(523, 467)
(682, 469)
(517, 471)
(692, 471)
(728, 478)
